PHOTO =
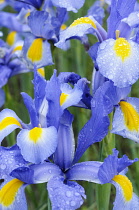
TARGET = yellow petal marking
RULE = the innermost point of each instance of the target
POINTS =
(35, 134)
(27, 15)
(131, 116)
(63, 98)
(122, 48)
(83, 20)
(41, 72)
(63, 27)
(35, 51)
(2, 1)
(11, 38)
(9, 192)
(17, 48)
(9, 121)
(126, 186)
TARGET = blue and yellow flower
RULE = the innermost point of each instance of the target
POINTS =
(69, 4)
(38, 140)
(117, 57)
(126, 116)
(126, 119)
(111, 171)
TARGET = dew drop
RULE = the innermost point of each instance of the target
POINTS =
(72, 203)
(2, 166)
(77, 194)
(102, 45)
(50, 171)
(68, 194)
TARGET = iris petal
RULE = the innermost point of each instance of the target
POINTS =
(118, 61)
(8, 122)
(37, 144)
(126, 118)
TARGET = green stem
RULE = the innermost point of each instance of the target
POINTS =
(49, 204)
(103, 196)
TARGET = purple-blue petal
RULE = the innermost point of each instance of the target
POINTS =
(87, 171)
(38, 173)
(97, 127)
(29, 103)
(65, 149)
(70, 5)
(67, 196)
(113, 166)
(116, 94)
(39, 89)
(45, 171)
(53, 98)
(97, 11)
(40, 24)
(2, 97)
(71, 77)
(35, 3)
(125, 162)
(24, 174)
(5, 73)
(109, 168)
(10, 158)
(119, 10)
(9, 20)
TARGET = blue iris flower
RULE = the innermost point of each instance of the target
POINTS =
(44, 28)
(116, 52)
(38, 139)
(126, 115)
(14, 24)
(69, 5)
(97, 11)
(10, 65)
(56, 163)
(64, 193)
(35, 3)
(49, 116)
(116, 56)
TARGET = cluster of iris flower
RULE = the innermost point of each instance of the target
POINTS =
(46, 150)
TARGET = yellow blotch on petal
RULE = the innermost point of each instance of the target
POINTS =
(9, 121)
(9, 192)
(41, 71)
(63, 98)
(17, 48)
(83, 20)
(27, 15)
(11, 38)
(2, 1)
(63, 27)
(126, 186)
(122, 48)
(35, 134)
(35, 51)
(131, 116)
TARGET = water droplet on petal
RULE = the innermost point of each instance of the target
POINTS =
(2, 166)
(102, 45)
(77, 194)
(72, 203)
(68, 193)
(50, 171)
